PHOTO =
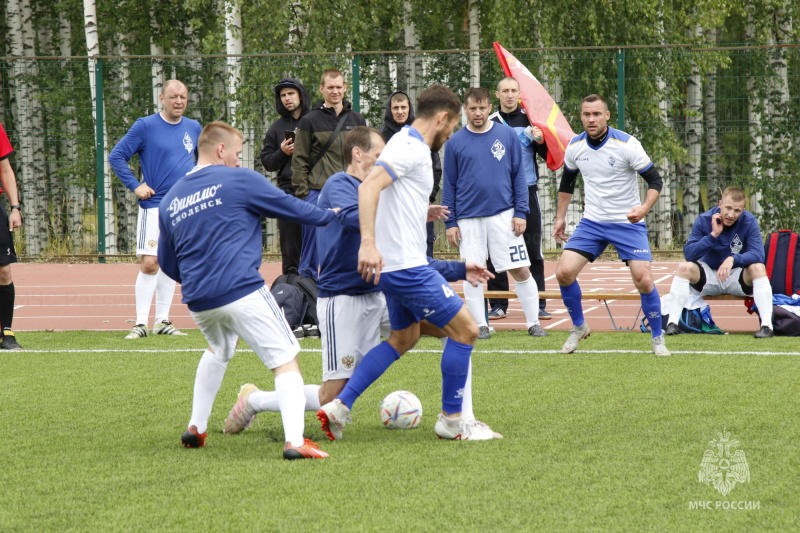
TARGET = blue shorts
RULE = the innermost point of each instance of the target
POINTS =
(591, 238)
(419, 293)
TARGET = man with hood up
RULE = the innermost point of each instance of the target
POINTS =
(399, 112)
(292, 103)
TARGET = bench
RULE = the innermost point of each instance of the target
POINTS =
(605, 297)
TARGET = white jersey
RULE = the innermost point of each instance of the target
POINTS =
(609, 174)
(400, 233)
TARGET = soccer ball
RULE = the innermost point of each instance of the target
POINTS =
(401, 410)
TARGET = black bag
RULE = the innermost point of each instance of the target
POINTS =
(691, 321)
(783, 262)
(306, 286)
(291, 301)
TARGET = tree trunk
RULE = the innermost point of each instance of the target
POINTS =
(755, 108)
(714, 179)
(233, 47)
(474, 44)
(694, 136)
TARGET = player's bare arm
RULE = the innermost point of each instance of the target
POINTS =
(453, 236)
(9, 184)
(143, 191)
(640, 211)
(437, 212)
(370, 260)
(560, 225)
(477, 274)
(518, 226)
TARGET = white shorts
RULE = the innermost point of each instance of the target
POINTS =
(493, 236)
(258, 320)
(147, 231)
(350, 326)
(714, 286)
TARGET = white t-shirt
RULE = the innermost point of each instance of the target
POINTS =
(400, 233)
(609, 174)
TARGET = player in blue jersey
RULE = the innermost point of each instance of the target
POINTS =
(486, 190)
(166, 144)
(724, 255)
(353, 313)
(393, 209)
(610, 162)
(211, 243)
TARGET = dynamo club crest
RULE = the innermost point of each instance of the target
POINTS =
(187, 142)
(498, 150)
(723, 465)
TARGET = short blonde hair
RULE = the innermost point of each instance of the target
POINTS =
(735, 194)
(215, 133)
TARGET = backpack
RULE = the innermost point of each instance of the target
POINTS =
(785, 323)
(308, 287)
(783, 262)
(291, 301)
(691, 321)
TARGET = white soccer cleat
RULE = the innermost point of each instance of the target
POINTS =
(166, 328)
(461, 429)
(659, 346)
(138, 331)
(241, 415)
(576, 335)
(333, 417)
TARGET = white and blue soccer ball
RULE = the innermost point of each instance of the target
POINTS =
(401, 410)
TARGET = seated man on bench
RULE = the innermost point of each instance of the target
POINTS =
(724, 255)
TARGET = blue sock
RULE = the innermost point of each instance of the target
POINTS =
(571, 294)
(455, 364)
(651, 307)
(374, 364)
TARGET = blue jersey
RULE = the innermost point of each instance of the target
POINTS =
(339, 241)
(742, 241)
(166, 153)
(483, 174)
(210, 224)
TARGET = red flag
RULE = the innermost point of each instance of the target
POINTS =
(542, 111)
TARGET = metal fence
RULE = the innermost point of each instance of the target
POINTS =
(708, 117)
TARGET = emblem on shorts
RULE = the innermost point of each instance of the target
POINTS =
(612, 161)
(736, 244)
(428, 312)
(187, 142)
(723, 466)
(498, 150)
(348, 361)
(152, 243)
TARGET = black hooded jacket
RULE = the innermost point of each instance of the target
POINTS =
(390, 127)
(272, 157)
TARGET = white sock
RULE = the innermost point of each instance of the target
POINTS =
(210, 372)
(678, 294)
(474, 299)
(165, 291)
(528, 296)
(267, 400)
(466, 407)
(145, 288)
(762, 295)
(289, 389)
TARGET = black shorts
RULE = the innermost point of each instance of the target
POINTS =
(8, 254)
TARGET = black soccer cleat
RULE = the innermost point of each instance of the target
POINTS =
(9, 341)
(764, 333)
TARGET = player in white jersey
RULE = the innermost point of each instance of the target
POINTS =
(393, 208)
(609, 161)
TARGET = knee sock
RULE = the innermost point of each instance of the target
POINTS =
(165, 291)
(473, 296)
(208, 378)
(145, 288)
(678, 294)
(571, 294)
(267, 400)
(651, 308)
(7, 294)
(762, 295)
(374, 364)
(455, 369)
(467, 412)
(528, 296)
(292, 401)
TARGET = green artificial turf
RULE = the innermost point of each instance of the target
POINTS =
(609, 438)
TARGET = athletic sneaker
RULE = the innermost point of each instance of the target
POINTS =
(659, 346)
(537, 330)
(138, 331)
(311, 331)
(166, 328)
(672, 329)
(242, 415)
(460, 429)
(333, 417)
(309, 450)
(576, 335)
(764, 333)
(299, 333)
(484, 332)
(544, 315)
(497, 313)
(192, 439)
(9, 341)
